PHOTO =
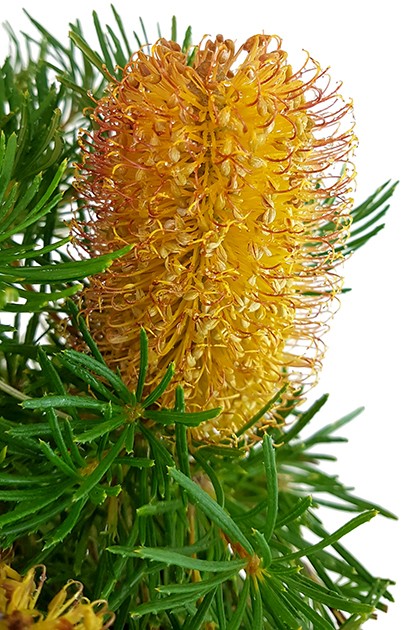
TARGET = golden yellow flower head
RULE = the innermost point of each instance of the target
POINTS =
(68, 610)
(230, 177)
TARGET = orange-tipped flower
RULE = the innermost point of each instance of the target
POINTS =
(68, 610)
(230, 177)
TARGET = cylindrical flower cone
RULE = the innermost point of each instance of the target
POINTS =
(229, 174)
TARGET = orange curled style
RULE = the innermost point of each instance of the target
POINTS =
(231, 178)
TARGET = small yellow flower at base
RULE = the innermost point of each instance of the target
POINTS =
(230, 176)
(68, 610)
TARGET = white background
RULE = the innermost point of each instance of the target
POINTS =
(361, 42)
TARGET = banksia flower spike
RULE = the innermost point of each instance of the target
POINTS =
(229, 174)
(152, 442)
(67, 610)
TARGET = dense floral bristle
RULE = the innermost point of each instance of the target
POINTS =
(231, 179)
(68, 610)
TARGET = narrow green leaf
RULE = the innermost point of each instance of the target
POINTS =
(60, 533)
(159, 507)
(225, 452)
(66, 401)
(269, 459)
(330, 539)
(29, 251)
(26, 508)
(171, 416)
(237, 617)
(211, 508)
(182, 451)
(275, 605)
(187, 39)
(103, 42)
(180, 399)
(257, 607)
(321, 594)
(174, 33)
(122, 31)
(6, 328)
(143, 364)
(21, 227)
(137, 462)
(262, 412)
(37, 301)
(319, 622)
(89, 379)
(71, 445)
(118, 569)
(220, 610)
(21, 445)
(7, 207)
(161, 387)
(79, 320)
(72, 86)
(43, 206)
(168, 557)
(53, 186)
(367, 209)
(47, 36)
(100, 429)
(262, 547)
(121, 58)
(355, 244)
(103, 466)
(249, 515)
(146, 40)
(319, 436)
(7, 162)
(58, 437)
(39, 429)
(53, 379)
(161, 454)
(57, 461)
(31, 525)
(138, 40)
(164, 604)
(381, 194)
(303, 420)
(200, 587)
(8, 479)
(303, 504)
(25, 494)
(364, 227)
(144, 497)
(90, 363)
(89, 53)
(121, 597)
(61, 272)
(354, 623)
(195, 622)
(209, 470)
(130, 439)
(351, 561)
(360, 504)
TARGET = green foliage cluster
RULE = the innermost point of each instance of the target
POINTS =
(95, 481)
